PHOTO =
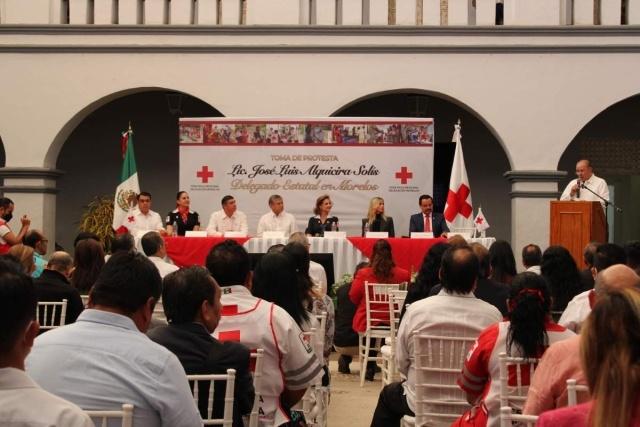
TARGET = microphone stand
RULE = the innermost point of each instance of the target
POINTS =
(606, 204)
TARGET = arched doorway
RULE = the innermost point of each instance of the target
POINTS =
(485, 158)
(611, 140)
(91, 157)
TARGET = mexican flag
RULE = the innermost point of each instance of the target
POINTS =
(126, 192)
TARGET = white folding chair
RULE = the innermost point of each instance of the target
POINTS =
(257, 380)
(377, 308)
(509, 419)
(230, 378)
(51, 314)
(388, 351)
(438, 362)
(515, 377)
(158, 311)
(85, 300)
(102, 417)
(572, 391)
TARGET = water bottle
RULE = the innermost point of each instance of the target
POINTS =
(174, 233)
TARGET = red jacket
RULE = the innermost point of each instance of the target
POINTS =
(356, 295)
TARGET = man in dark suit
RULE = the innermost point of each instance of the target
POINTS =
(53, 285)
(427, 220)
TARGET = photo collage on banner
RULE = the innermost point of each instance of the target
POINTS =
(351, 159)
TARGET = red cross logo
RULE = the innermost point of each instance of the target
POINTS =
(131, 218)
(404, 175)
(457, 203)
(479, 220)
(205, 174)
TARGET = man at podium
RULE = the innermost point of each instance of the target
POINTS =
(578, 189)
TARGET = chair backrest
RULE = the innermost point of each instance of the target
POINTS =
(258, 356)
(85, 300)
(438, 363)
(572, 391)
(51, 314)
(396, 301)
(101, 418)
(320, 334)
(515, 376)
(509, 419)
(377, 305)
(158, 311)
(205, 383)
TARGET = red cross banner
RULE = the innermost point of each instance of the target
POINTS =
(458, 211)
(351, 159)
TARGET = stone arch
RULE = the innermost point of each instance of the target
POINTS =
(611, 140)
(87, 150)
(485, 155)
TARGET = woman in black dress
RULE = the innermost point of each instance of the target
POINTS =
(183, 218)
(322, 221)
(376, 220)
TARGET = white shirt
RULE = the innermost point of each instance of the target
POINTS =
(272, 222)
(455, 315)
(24, 404)
(163, 266)
(219, 222)
(318, 277)
(534, 269)
(576, 312)
(597, 185)
(138, 223)
(4, 229)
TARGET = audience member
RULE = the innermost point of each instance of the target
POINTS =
(24, 254)
(36, 240)
(53, 285)
(154, 248)
(606, 255)
(532, 258)
(632, 251)
(502, 261)
(586, 275)
(104, 359)
(22, 401)
(122, 243)
(561, 272)
(346, 339)
(428, 277)
(455, 311)
(316, 271)
(87, 263)
(561, 361)
(84, 235)
(277, 219)
(527, 332)
(457, 241)
(382, 269)
(609, 354)
(191, 301)
(290, 365)
(7, 237)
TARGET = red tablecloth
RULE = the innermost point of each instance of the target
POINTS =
(407, 253)
(187, 251)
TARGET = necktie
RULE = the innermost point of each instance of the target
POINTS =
(427, 224)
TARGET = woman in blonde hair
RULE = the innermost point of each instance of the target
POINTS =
(24, 254)
(610, 352)
(376, 220)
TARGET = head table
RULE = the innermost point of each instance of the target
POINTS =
(347, 253)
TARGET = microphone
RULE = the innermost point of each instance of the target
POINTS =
(578, 189)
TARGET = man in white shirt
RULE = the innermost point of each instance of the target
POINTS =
(155, 249)
(532, 258)
(576, 190)
(143, 219)
(277, 219)
(229, 218)
(22, 401)
(454, 312)
(316, 271)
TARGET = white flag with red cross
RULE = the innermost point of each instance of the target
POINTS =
(458, 211)
(480, 221)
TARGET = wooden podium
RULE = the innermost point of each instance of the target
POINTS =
(574, 224)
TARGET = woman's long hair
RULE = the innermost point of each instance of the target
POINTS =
(275, 280)
(529, 310)
(373, 205)
(561, 272)
(382, 261)
(610, 352)
(503, 263)
(428, 276)
(301, 260)
(88, 262)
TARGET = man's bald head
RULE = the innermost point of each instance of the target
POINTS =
(617, 276)
(61, 262)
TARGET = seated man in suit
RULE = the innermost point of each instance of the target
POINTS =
(427, 220)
